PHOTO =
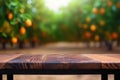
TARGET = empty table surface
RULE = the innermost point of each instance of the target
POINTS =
(59, 61)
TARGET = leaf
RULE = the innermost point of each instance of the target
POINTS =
(13, 22)
(4, 35)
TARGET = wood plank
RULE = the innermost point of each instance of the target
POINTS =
(60, 61)
(53, 61)
(104, 58)
(109, 61)
(71, 61)
(7, 57)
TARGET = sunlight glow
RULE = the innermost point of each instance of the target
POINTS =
(55, 5)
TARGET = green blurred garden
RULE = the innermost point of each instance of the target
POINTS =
(45, 21)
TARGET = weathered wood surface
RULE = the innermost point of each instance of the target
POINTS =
(60, 61)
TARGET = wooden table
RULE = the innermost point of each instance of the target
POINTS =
(50, 64)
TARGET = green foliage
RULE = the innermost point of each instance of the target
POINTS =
(12, 17)
(71, 24)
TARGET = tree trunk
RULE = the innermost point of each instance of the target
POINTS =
(118, 43)
(3, 45)
(32, 44)
(109, 45)
(21, 45)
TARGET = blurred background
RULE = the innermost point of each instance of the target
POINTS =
(31, 22)
(60, 26)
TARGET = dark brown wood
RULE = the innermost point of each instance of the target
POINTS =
(104, 77)
(60, 61)
(9, 77)
(117, 76)
(5, 58)
(108, 61)
(0, 76)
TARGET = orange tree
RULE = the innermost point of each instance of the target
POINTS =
(40, 29)
(85, 20)
(81, 20)
(77, 18)
(107, 20)
(93, 20)
(45, 23)
(13, 21)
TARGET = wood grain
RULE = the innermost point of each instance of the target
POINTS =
(60, 61)
(7, 57)
(108, 61)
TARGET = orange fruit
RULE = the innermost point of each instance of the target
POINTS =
(28, 23)
(22, 30)
(97, 38)
(95, 10)
(109, 3)
(118, 5)
(6, 24)
(10, 16)
(88, 35)
(14, 40)
(102, 11)
(102, 23)
(88, 20)
(114, 35)
(93, 28)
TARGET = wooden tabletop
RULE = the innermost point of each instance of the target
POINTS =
(60, 61)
